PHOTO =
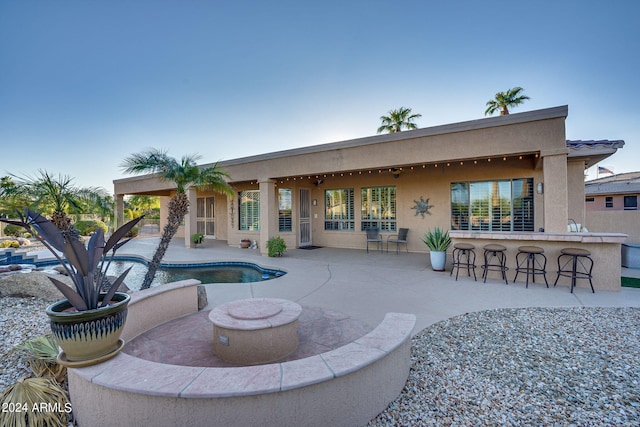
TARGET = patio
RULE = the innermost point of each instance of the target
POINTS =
(366, 286)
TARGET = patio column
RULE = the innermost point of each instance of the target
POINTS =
(556, 205)
(119, 217)
(190, 222)
(268, 209)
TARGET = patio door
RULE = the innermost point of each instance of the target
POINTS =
(205, 216)
(304, 218)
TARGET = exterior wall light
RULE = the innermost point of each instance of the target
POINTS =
(540, 188)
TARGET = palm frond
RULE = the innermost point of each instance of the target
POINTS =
(29, 394)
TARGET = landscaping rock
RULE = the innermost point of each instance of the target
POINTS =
(34, 284)
(202, 297)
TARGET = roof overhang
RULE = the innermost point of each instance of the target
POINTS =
(592, 152)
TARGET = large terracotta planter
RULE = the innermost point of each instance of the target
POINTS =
(91, 336)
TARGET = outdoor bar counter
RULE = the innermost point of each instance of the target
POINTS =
(605, 251)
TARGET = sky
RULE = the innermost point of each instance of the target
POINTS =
(84, 84)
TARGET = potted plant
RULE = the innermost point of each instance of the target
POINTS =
(245, 243)
(276, 246)
(438, 241)
(197, 238)
(88, 323)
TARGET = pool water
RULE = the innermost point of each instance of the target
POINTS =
(223, 273)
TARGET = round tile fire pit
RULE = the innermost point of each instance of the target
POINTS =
(255, 331)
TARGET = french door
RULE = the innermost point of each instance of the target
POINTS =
(205, 216)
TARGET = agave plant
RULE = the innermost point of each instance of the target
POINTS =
(437, 240)
(86, 266)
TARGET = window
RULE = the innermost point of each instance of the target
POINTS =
(379, 208)
(338, 209)
(284, 209)
(492, 205)
(608, 202)
(590, 199)
(630, 203)
(249, 210)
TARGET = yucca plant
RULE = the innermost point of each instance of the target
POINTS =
(437, 240)
(86, 266)
(42, 353)
(34, 402)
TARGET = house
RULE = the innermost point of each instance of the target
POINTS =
(611, 205)
(508, 174)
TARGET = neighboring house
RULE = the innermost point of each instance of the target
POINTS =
(612, 205)
(509, 173)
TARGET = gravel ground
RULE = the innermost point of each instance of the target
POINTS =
(20, 319)
(511, 367)
(524, 367)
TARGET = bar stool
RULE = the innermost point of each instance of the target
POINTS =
(461, 250)
(533, 266)
(495, 260)
(575, 257)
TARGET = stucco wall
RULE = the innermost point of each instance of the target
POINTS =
(615, 221)
(430, 182)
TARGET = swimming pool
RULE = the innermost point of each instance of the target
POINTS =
(213, 272)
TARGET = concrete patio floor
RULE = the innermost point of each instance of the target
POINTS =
(365, 286)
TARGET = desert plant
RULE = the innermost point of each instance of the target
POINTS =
(276, 246)
(36, 402)
(197, 238)
(9, 244)
(437, 240)
(88, 226)
(86, 266)
(42, 357)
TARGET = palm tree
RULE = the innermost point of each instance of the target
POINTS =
(398, 119)
(504, 100)
(183, 174)
(58, 197)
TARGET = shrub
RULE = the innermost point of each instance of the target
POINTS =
(9, 244)
(13, 230)
(276, 246)
(133, 232)
(89, 226)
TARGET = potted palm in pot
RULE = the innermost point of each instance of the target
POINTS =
(88, 323)
(438, 241)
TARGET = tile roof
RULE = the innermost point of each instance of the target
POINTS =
(622, 183)
(579, 144)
